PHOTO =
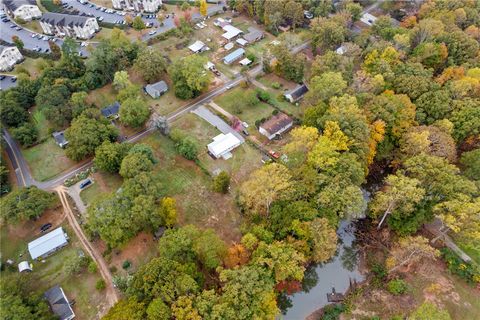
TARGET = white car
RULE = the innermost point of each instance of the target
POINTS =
(34, 35)
(152, 32)
(84, 44)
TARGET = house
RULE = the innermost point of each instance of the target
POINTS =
(198, 46)
(234, 56)
(47, 244)
(229, 46)
(223, 144)
(69, 25)
(241, 42)
(245, 62)
(111, 111)
(296, 94)
(220, 22)
(368, 19)
(341, 50)
(253, 35)
(9, 57)
(276, 125)
(231, 32)
(24, 266)
(137, 5)
(156, 89)
(60, 139)
(59, 303)
(22, 9)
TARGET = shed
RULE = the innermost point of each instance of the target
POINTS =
(60, 139)
(245, 62)
(155, 90)
(368, 19)
(235, 55)
(229, 46)
(47, 244)
(296, 94)
(242, 42)
(223, 144)
(24, 266)
(198, 46)
(253, 35)
(59, 303)
(276, 125)
(231, 32)
(209, 65)
(111, 111)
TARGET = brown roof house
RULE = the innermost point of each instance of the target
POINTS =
(276, 125)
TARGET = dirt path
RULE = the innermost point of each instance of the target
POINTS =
(111, 293)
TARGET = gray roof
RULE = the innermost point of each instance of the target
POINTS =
(298, 92)
(111, 110)
(47, 243)
(160, 86)
(15, 4)
(59, 137)
(234, 55)
(59, 303)
(253, 34)
(64, 19)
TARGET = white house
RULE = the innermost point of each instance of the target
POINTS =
(23, 9)
(198, 46)
(296, 93)
(368, 19)
(231, 32)
(223, 144)
(137, 5)
(276, 125)
(47, 244)
(69, 25)
(24, 266)
(9, 57)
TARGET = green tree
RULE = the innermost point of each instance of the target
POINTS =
(208, 247)
(324, 87)
(134, 112)
(157, 309)
(184, 145)
(121, 80)
(288, 65)
(138, 23)
(461, 47)
(183, 309)
(429, 311)
(433, 106)
(133, 164)
(465, 119)
(324, 240)
(151, 64)
(129, 309)
(78, 103)
(132, 91)
(86, 133)
(189, 76)
(25, 203)
(328, 34)
(17, 42)
(26, 134)
(471, 164)
(53, 101)
(109, 156)
(221, 182)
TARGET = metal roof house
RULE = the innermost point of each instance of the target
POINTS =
(59, 137)
(276, 125)
(198, 46)
(296, 94)
(59, 303)
(223, 144)
(231, 32)
(111, 111)
(46, 245)
(155, 90)
(368, 19)
(235, 55)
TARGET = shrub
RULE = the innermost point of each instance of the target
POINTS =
(263, 95)
(397, 286)
(113, 269)
(92, 267)
(276, 85)
(332, 311)
(221, 182)
(100, 285)
(468, 271)
(126, 264)
(184, 145)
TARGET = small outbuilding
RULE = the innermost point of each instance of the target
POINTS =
(229, 46)
(296, 94)
(223, 144)
(276, 125)
(111, 111)
(241, 42)
(198, 46)
(60, 140)
(157, 89)
(245, 62)
(59, 303)
(234, 56)
(368, 19)
(48, 244)
(24, 266)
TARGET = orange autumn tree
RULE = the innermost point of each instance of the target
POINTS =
(237, 255)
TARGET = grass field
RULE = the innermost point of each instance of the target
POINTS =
(103, 183)
(46, 160)
(197, 128)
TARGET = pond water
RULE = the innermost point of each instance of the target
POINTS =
(319, 279)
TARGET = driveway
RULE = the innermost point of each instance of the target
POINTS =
(217, 122)
(74, 192)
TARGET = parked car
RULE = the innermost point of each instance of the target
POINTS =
(85, 184)
(2, 77)
(274, 154)
(152, 32)
(45, 227)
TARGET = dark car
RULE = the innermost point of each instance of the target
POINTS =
(14, 79)
(2, 77)
(45, 227)
(85, 184)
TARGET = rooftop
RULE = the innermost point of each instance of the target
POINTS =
(159, 86)
(223, 143)
(15, 4)
(234, 55)
(231, 32)
(59, 303)
(298, 92)
(197, 46)
(111, 110)
(47, 243)
(276, 123)
(64, 19)
(253, 34)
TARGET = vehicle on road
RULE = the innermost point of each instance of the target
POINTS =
(13, 79)
(2, 77)
(152, 32)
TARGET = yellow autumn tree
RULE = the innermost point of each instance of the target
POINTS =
(410, 251)
(327, 150)
(168, 211)
(377, 133)
(203, 8)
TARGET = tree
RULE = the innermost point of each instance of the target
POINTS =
(287, 64)
(328, 34)
(324, 87)
(120, 80)
(11, 113)
(150, 64)
(355, 9)
(168, 211)
(324, 240)
(17, 42)
(53, 101)
(208, 247)
(189, 76)
(133, 164)
(465, 119)
(55, 50)
(138, 23)
(26, 134)
(461, 48)
(399, 197)
(221, 182)
(265, 185)
(86, 133)
(109, 156)
(410, 251)
(132, 91)
(157, 309)
(471, 164)
(429, 311)
(134, 112)
(78, 103)
(183, 308)
(237, 255)
(25, 203)
(184, 145)
(433, 106)
(129, 309)
(203, 8)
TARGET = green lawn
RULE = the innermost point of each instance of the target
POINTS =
(197, 128)
(47, 160)
(234, 102)
(103, 182)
